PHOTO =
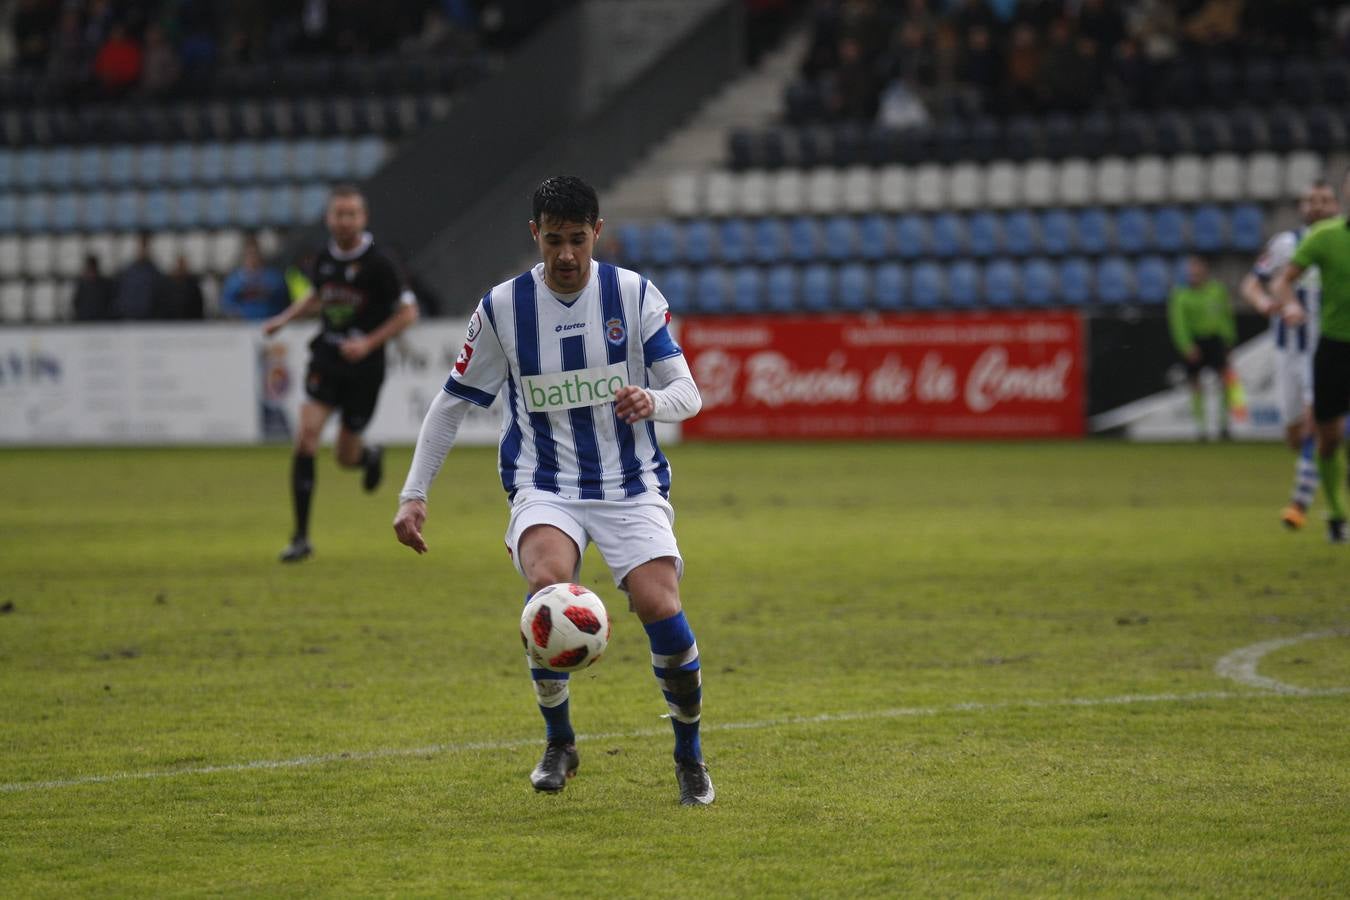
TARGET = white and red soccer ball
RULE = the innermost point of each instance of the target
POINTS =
(564, 627)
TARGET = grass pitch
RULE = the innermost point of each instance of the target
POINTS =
(930, 669)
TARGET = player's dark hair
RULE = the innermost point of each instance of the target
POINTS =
(346, 190)
(566, 198)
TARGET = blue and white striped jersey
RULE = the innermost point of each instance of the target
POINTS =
(1279, 251)
(559, 364)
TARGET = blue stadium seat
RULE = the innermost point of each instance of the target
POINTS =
(1021, 236)
(963, 283)
(1038, 282)
(1002, 285)
(368, 154)
(28, 174)
(243, 162)
(250, 207)
(211, 163)
(59, 167)
(632, 243)
(710, 290)
(1075, 281)
(802, 239)
(312, 202)
(274, 160)
(156, 209)
(126, 210)
(949, 235)
(65, 211)
(182, 167)
(335, 158)
(674, 286)
(855, 286)
(817, 287)
(279, 205)
(1209, 229)
(663, 243)
(986, 234)
(874, 237)
(1058, 232)
(889, 286)
(96, 211)
(1114, 283)
(769, 240)
(9, 212)
(119, 165)
(747, 289)
(189, 208)
(927, 287)
(699, 241)
(151, 163)
(6, 169)
(781, 288)
(841, 238)
(1133, 231)
(733, 238)
(1169, 229)
(1248, 228)
(911, 236)
(88, 167)
(305, 160)
(1153, 279)
(1093, 226)
(219, 207)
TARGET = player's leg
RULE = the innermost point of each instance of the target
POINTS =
(1193, 370)
(546, 545)
(1293, 385)
(358, 407)
(313, 414)
(1331, 397)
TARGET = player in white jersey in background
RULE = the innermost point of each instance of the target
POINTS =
(587, 363)
(1294, 344)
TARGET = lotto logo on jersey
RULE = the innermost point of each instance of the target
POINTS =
(559, 391)
(462, 361)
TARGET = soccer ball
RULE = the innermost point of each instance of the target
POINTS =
(564, 627)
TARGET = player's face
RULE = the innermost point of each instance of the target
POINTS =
(1197, 271)
(566, 248)
(1316, 204)
(346, 220)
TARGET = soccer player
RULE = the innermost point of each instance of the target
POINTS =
(586, 363)
(1203, 331)
(364, 302)
(1294, 344)
(1326, 246)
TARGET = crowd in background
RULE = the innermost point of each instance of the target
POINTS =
(153, 48)
(900, 61)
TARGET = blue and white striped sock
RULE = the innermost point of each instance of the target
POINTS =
(1305, 475)
(675, 664)
(550, 690)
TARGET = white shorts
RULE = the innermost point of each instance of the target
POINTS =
(627, 533)
(1293, 384)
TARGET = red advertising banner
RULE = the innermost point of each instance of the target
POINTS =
(980, 375)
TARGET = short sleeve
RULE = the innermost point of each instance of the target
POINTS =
(481, 366)
(1309, 250)
(1276, 256)
(657, 342)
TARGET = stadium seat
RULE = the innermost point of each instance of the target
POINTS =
(181, 165)
(699, 242)
(368, 153)
(11, 257)
(780, 294)
(13, 300)
(250, 207)
(1169, 229)
(1040, 183)
(65, 211)
(841, 238)
(768, 240)
(156, 209)
(1038, 281)
(1021, 236)
(1187, 181)
(6, 169)
(893, 188)
(927, 286)
(1113, 181)
(35, 210)
(103, 245)
(312, 202)
(1300, 171)
(1148, 180)
(1133, 230)
(858, 189)
(1002, 283)
(733, 241)
(1153, 279)
(719, 193)
(1075, 182)
(273, 160)
(817, 287)
(929, 187)
(965, 186)
(752, 197)
(38, 255)
(1114, 283)
(675, 287)
(1002, 185)
(911, 236)
(985, 234)
(874, 237)
(194, 245)
(1058, 232)
(28, 169)
(1075, 281)
(889, 286)
(747, 289)
(58, 167)
(710, 290)
(855, 287)
(211, 162)
(1093, 226)
(226, 248)
(787, 194)
(631, 239)
(682, 194)
(1263, 180)
(963, 283)
(949, 235)
(9, 212)
(1247, 228)
(1208, 229)
(663, 243)
(88, 167)
(280, 202)
(803, 239)
(824, 192)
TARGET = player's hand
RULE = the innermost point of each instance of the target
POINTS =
(354, 349)
(633, 404)
(1294, 314)
(272, 326)
(1193, 355)
(408, 524)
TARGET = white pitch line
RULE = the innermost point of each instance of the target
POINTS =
(1240, 665)
(786, 722)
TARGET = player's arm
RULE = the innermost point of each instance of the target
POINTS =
(1180, 329)
(298, 310)
(1255, 285)
(1254, 292)
(672, 395)
(404, 314)
(1282, 291)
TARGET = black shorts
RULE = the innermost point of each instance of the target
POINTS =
(1213, 355)
(1331, 379)
(353, 394)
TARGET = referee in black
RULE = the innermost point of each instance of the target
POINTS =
(363, 301)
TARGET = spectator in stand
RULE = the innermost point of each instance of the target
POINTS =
(161, 69)
(118, 63)
(70, 56)
(980, 67)
(1022, 82)
(32, 29)
(181, 297)
(1102, 22)
(139, 286)
(254, 291)
(854, 90)
(93, 301)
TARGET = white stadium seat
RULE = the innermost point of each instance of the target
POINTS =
(125, 247)
(225, 249)
(965, 186)
(1002, 183)
(859, 189)
(788, 192)
(38, 255)
(682, 194)
(1186, 181)
(69, 255)
(164, 249)
(930, 186)
(824, 194)
(1112, 181)
(11, 257)
(718, 193)
(754, 193)
(1301, 169)
(1040, 183)
(893, 188)
(1264, 179)
(13, 300)
(1076, 182)
(46, 300)
(1148, 180)
(195, 247)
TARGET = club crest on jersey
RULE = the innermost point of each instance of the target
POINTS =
(475, 326)
(352, 269)
(614, 331)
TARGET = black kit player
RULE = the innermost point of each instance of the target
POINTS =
(363, 301)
